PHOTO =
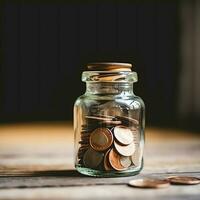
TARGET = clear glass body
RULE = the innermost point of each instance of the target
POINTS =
(109, 108)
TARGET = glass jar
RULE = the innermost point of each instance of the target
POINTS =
(109, 121)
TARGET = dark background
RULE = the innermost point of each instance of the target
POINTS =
(45, 47)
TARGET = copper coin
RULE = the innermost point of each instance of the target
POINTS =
(101, 139)
(110, 117)
(109, 77)
(106, 118)
(92, 158)
(149, 183)
(123, 135)
(111, 122)
(183, 180)
(128, 120)
(107, 66)
(80, 156)
(107, 165)
(83, 143)
(114, 159)
(83, 146)
(82, 149)
(85, 134)
(88, 130)
(125, 150)
(85, 138)
(81, 153)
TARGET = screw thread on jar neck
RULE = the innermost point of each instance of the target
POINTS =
(109, 88)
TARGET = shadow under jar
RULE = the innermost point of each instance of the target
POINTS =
(109, 121)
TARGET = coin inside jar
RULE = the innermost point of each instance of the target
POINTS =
(99, 118)
(184, 180)
(106, 163)
(101, 139)
(149, 183)
(128, 120)
(123, 135)
(110, 122)
(125, 150)
(125, 161)
(92, 158)
(136, 157)
(114, 160)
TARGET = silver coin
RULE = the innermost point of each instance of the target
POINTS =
(123, 135)
(125, 150)
(125, 161)
(137, 157)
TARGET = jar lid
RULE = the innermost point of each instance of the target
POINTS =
(109, 66)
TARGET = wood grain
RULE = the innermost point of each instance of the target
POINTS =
(36, 162)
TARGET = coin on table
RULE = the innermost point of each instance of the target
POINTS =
(92, 158)
(125, 150)
(123, 135)
(101, 139)
(149, 183)
(114, 159)
(107, 165)
(183, 180)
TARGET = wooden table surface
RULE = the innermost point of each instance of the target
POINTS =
(36, 162)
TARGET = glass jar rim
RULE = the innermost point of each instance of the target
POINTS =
(110, 76)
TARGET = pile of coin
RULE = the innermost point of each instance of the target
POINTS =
(163, 183)
(109, 143)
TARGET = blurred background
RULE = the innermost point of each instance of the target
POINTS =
(46, 45)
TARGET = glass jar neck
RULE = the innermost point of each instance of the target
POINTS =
(109, 88)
